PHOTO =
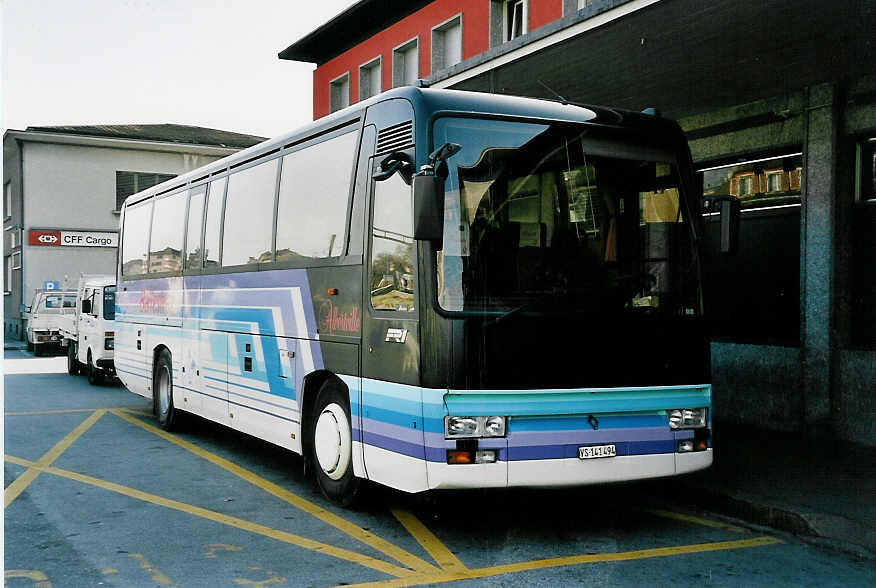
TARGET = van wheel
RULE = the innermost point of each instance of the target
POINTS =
(72, 363)
(95, 375)
(331, 445)
(162, 392)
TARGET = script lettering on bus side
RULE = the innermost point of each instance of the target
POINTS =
(152, 302)
(334, 320)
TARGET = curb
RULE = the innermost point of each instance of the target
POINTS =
(756, 510)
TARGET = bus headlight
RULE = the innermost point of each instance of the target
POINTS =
(456, 427)
(109, 343)
(688, 418)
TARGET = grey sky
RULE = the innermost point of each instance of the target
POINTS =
(210, 63)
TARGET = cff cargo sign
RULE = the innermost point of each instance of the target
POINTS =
(45, 238)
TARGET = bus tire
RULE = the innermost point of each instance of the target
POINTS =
(331, 445)
(72, 363)
(162, 392)
(95, 375)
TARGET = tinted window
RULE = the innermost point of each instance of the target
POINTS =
(249, 215)
(213, 225)
(193, 231)
(135, 239)
(109, 303)
(314, 191)
(165, 245)
(392, 249)
(760, 183)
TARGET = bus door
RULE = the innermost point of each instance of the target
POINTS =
(261, 394)
(392, 414)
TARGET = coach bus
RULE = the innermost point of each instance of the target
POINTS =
(432, 289)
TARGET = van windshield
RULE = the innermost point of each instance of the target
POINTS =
(109, 303)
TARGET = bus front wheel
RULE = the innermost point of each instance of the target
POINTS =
(162, 392)
(331, 445)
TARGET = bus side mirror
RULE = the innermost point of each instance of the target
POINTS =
(728, 210)
(428, 206)
(86, 307)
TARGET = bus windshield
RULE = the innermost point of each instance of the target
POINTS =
(548, 217)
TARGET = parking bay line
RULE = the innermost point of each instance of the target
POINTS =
(351, 529)
(668, 514)
(21, 483)
(574, 560)
(291, 538)
(439, 552)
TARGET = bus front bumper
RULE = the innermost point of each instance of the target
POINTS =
(565, 472)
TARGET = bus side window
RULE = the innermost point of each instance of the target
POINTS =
(213, 222)
(314, 196)
(193, 256)
(249, 215)
(392, 246)
(135, 238)
(165, 244)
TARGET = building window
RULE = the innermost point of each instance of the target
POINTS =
(370, 79)
(508, 20)
(447, 44)
(7, 200)
(16, 260)
(406, 64)
(7, 285)
(14, 237)
(758, 183)
(866, 177)
(128, 182)
(339, 92)
(516, 14)
(753, 296)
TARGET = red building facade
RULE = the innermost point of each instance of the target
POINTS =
(482, 24)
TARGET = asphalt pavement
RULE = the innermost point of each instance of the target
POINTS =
(97, 495)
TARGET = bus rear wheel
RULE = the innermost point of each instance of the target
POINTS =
(331, 445)
(162, 392)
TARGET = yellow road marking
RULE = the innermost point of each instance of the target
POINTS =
(439, 552)
(211, 551)
(668, 514)
(272, 578)
(64, 411)
(574, 560)
(351, 529)
(24, 480)
(344, 554)
(156, 574)
(38, 578)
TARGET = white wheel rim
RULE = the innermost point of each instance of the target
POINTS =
(332, 441)
(163, 390)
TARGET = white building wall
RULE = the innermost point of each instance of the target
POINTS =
(74, 187)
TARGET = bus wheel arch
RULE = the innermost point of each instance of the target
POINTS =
(327, 438)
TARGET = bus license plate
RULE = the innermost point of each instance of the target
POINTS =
(595, 451)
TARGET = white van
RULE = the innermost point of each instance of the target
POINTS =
(89, 334)
(44, 317)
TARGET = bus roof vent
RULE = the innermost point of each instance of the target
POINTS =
(395, 137)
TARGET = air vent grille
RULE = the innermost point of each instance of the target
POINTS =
(395, 137)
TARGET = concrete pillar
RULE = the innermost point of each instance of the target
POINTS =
(817, 275)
